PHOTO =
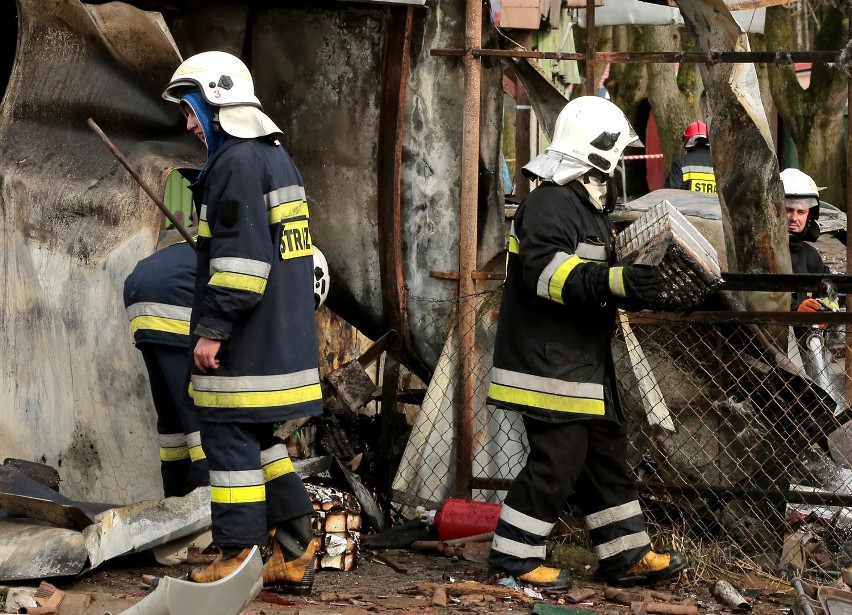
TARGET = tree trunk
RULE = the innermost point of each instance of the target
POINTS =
(672, 97)
(814, 115)
(750, 191)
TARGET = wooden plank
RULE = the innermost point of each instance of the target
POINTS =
(748, 5)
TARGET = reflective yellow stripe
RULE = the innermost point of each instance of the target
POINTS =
(238, 281)
(557, 280)
(204, 229)
(546, 401)
(514, 245)
(174, 454)
(238, 495)
(196, 453)
(258, 399)
(277, 469)
(285, 211)
(699, 176)
(154, 323)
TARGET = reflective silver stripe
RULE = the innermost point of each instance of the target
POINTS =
(284, 195)
(620, 545)
(273, 453)
(694, 168)
(203, 213)
(542, 289)
(172, 440)
(616, 281)
(518, 549)
(591, 252)
(540, 384)
(613, 515)
(525, 522)
(241, 478)
(237, 384)
(161, 310)
(193, 439)
(231, 264)
(512, 232)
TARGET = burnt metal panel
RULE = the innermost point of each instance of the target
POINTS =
(74, 224)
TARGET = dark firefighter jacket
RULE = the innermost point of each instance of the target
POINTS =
(805, 259)
(158, 296)
(253, 288)
(693, 171)
(552, 354)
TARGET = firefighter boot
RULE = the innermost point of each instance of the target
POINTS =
(295, 576)
(227, 562)
(543, 577)
(290, 568)
(652, 568)
(547, 578)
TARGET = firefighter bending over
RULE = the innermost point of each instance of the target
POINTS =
(158, 299)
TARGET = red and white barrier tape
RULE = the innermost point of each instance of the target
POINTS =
(642, 157)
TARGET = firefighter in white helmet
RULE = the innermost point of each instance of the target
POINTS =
(801, 196)
(253, 327)
(553, 359)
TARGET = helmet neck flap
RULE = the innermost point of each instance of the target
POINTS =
(206, 115)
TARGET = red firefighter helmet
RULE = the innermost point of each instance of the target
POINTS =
(694, 133)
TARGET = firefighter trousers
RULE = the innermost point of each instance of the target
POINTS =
(183, 465)
(586, 458)
(253, 485)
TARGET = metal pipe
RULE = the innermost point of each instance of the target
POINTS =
(154, 197)
(847, 353)
(780, 58)
(691, 491)
(802, 601)
(467, 248)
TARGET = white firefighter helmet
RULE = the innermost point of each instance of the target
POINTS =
(321, 278)
(593, 130)
(797, 183)
(223, 79)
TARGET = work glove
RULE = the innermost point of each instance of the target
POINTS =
(637, 283)
(809, 305)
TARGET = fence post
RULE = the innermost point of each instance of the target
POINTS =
(467, 247)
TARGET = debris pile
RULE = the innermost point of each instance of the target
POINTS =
(665, 239)
(338, 524)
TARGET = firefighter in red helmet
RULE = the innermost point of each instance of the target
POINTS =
(694, 170)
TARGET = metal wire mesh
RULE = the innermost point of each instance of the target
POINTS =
(736, 432)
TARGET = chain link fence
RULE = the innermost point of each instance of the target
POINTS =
(736, 425)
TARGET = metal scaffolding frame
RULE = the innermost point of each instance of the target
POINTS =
(471, 57)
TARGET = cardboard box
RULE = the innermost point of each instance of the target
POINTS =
(523, 14)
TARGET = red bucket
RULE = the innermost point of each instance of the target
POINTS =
(459, 518)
